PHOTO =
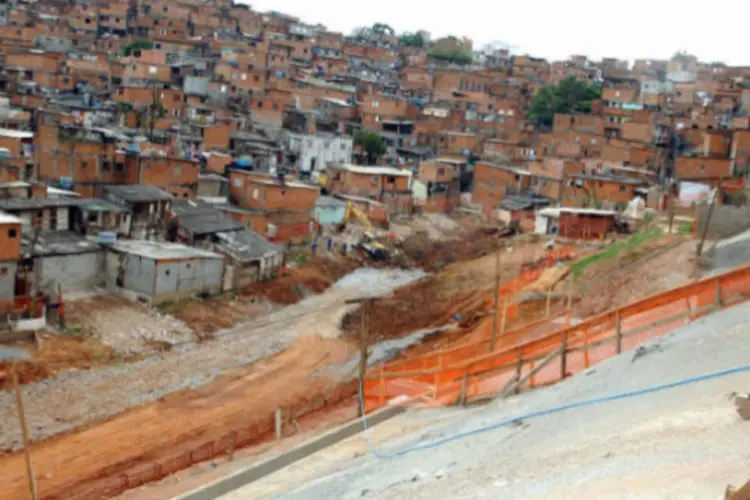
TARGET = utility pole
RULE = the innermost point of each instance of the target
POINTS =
(716, 194)
(364, 343)
(496, 301)
(670, 206)
(24, 434)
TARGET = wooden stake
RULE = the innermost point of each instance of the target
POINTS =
(699, 250)
(505, 315)
(571, 286)
(463, 388)
(519, 367)
(529, 377)
(363, 355)
(670, 206)
(718, 300)
(563, 357)
(278, 423)
(496, 302)
(24, 434)
(618, 332)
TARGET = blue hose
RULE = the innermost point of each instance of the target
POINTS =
(539, 413)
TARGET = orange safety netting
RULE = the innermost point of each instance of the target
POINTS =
(470, 371)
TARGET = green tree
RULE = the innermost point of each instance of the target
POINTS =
(383, 28)
(416, 39)
(569, 96)
(456, 56)
(371, 143)
(136, 45)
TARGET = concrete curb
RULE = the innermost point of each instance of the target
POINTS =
(254, 472)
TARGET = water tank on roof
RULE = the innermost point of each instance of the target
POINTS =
(107, 238)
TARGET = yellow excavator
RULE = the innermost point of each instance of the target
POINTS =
(368, 243)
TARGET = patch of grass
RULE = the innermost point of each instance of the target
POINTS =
(73, 330)
(685, 228)
(614, 249)
(301, 259)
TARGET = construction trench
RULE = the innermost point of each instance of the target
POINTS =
(154, 440)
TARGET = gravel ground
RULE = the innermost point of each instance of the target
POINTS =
(77, 397)
(130, 330)
(683, 443)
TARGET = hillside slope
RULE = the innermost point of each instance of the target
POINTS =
(686, 442)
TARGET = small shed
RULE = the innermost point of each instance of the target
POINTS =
(579, 223)
(159, 271)
(520, 210)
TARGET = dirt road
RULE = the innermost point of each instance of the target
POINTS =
(67, 464)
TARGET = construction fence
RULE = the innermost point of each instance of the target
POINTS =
(254, 430)
(548, 351)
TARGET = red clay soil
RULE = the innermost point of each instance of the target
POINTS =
(650, 268)
(433, 256)
(52, 354)
(207, 316)
(292, 286)
(85, 464)
(464, 289)
(307, 427)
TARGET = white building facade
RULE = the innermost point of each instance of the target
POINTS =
(315, 152)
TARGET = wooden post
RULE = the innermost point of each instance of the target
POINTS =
(532, 373)
(230, 448)
(563, 357)
(515, 387)
(24, 434)
(382, 386)
(699, 249)
(569, 304)
(363, 355)
(463, 396)
(586, 360)
(496, 302)
(718, 301)
(61, 307)
(278, 423)
(618, 332)
(519, 367)
(670, 206)
(549, 303)
(504, 316)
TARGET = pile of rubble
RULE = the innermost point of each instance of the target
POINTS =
(128, 328)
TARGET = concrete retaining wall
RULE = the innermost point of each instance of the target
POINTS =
(726, 221)
(257, 471)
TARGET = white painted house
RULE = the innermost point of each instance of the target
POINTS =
(315, 152)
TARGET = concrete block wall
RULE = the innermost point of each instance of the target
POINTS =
(726, 220)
